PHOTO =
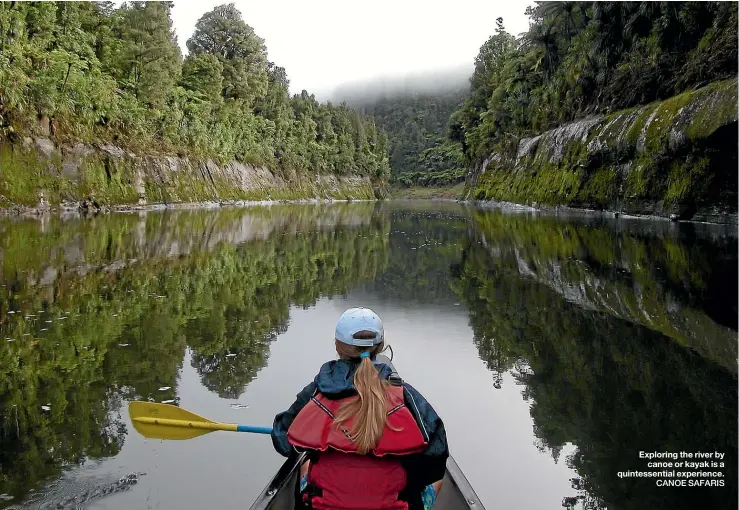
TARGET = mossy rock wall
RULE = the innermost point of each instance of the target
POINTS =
(36, 173)
(675, 157)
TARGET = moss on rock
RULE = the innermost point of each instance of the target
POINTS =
(37, 171)
(663, 158)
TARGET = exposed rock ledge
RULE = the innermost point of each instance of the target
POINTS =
(37, 175)
(676, 158)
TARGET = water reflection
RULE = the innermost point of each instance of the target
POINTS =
(425, 242)
(590, 321)
(98, 311)
(620, 335)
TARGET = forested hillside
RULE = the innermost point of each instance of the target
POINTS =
(580, 58)
(414, 110)
(416, 124)
(577, 59)
(91, 72)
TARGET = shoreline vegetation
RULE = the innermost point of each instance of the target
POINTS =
(671, 158)
(661, 77)
(426, 192)
(102, 83)
(99, 111)
(622, 106)
(420, 194)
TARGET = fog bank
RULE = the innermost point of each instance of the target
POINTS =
(359, 93)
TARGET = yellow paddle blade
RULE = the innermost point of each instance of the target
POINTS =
(164, 421)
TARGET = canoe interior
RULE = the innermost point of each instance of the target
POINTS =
(450, 497)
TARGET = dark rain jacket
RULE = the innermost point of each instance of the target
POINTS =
(335, 380)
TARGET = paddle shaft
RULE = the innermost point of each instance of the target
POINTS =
(231, 427)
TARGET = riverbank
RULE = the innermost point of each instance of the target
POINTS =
(73, 209)
(719, 219)
(37, 175)
(426, 192)
(675, 159)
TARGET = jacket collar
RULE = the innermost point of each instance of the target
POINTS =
(335, 379)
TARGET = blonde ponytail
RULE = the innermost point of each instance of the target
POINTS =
(370, 408)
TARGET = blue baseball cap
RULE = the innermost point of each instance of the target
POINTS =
(359, 319)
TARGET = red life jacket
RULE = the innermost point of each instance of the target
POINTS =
(344, 478)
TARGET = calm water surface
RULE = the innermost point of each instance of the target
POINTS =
(554, 348)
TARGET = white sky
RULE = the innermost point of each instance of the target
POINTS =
(324, 43)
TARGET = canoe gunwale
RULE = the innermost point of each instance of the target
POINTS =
(279, 481)
(463, 485)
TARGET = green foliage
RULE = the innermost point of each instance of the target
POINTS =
(416, 125)
(83, 71)
(579, 58)
(428, 192)
(203, 73)
(147, 58)
(223, 33)
(667, 157)
(439, 165)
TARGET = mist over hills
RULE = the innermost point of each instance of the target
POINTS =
(362, 93)
(414, 110)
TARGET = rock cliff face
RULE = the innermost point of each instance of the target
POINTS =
(36, 173)
(672, 158)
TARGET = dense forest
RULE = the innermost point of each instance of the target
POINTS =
(91, 72)
(416, 123)
(414, 110)
(576, 59)
(580, 58)
(94, 72)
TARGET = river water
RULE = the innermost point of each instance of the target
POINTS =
(554, 348)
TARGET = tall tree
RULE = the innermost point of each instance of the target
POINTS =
(222, 32)
(203, 73)
(150, 60)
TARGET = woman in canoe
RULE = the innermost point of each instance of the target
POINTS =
(372, 442)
